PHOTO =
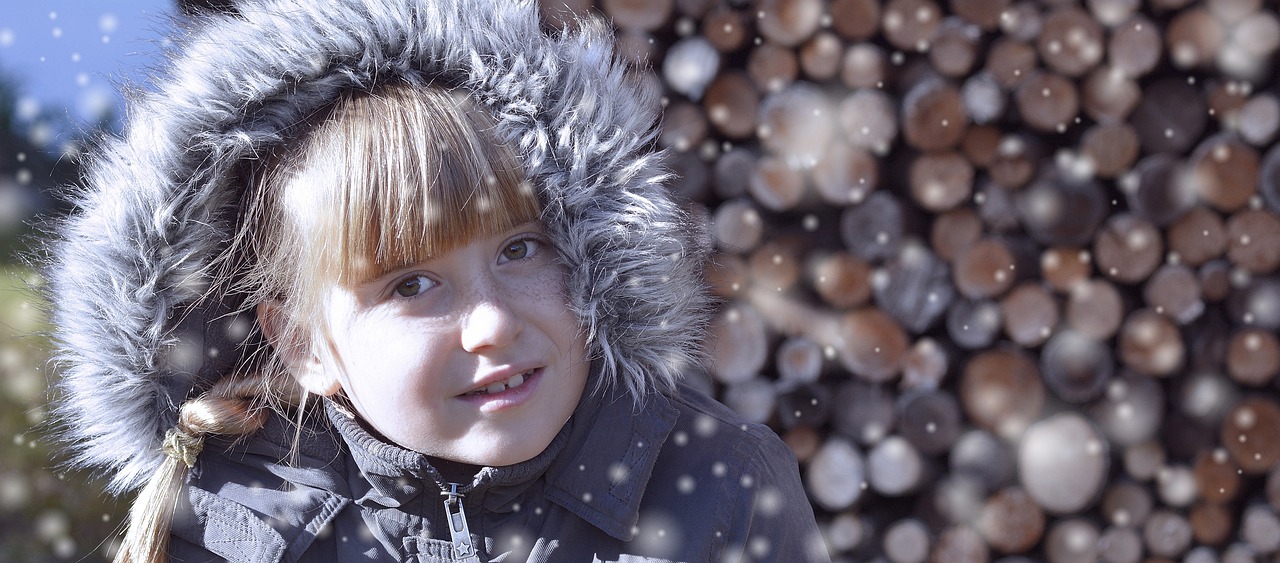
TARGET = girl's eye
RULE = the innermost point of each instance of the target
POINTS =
(413, 286)
(519, 249)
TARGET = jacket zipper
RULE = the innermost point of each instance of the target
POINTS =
(464, 549)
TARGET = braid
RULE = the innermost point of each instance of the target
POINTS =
(232, 407)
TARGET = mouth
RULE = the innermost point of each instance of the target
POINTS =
(513, 382)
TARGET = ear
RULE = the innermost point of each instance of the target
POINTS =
(295, 351)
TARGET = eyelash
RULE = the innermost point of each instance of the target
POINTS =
(531, 250)
(395, 291)
(533, 246)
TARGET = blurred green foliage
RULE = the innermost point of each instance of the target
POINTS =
(46, 513)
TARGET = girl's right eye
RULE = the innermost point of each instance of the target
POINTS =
(413, 286)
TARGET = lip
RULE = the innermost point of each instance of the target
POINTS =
(507, 398)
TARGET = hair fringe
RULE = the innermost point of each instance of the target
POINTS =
(232, 407)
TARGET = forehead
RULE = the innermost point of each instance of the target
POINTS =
(400, 176)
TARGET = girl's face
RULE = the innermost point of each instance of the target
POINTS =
(472, 355)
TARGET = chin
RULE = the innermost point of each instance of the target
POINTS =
(509, 449)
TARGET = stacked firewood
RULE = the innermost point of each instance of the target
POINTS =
(1003, 273)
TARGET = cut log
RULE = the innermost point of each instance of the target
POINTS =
(1253, 357)
(1011, 522)
(1166, 533)
(835, 476)
(873, 229)
(986, 14)
(1064, 267)
(1095, 309)
(954, 231)
(739, 344)
(867, 414)
(855, 20)
(799, 358)
(772, 67)
(940, 181)
(1047, 101)
(929, 420)
(955, 48)
(1174, 291)
(788, 22)
(1030, 314)
(984, 269)
(1157, 189)
(1076, 367)
(872, 345)
(1171, 116)
(1111, 148)
(1001, 392)
(725, 28)
(647, 15)
(737, 226)
(914, 288)
(1071, 42)
(863, 66)
(731, 103)
(933, 116)
(797, 124)
(803, 404)
(1194, 38)
(1134, 46)
(845, 174)
(842, 280)
(910, 25)
(1151, 344)
(973, 324)
(1197, 237)
(1010, 61)
(1224, 172)
(1253, 241)
(821, 56)
(1128, 248)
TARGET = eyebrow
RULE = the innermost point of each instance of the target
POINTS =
(380, 273)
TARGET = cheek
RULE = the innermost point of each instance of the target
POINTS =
(546, 294)
(390, 360)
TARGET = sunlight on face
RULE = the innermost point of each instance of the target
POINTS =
(472, 355)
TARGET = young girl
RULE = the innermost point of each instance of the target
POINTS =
(398, 280)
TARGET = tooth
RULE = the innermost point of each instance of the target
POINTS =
(495, 388)
(515, 380)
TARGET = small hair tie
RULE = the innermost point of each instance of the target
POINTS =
(183, 446)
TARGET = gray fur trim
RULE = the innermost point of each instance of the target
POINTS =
(154, 209)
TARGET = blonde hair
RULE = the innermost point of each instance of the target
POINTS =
(384, 178)
(391, 178)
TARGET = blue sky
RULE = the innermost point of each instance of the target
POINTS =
(70, 56)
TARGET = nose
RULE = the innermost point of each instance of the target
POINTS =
(489, 323)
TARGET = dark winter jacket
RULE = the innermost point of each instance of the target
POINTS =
(682, 479)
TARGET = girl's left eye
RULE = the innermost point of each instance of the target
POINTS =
(519, 249)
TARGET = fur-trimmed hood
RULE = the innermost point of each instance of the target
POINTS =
(159, 203)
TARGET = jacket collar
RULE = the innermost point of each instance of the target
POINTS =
(396, 475)
(602, 473)
(597, 467)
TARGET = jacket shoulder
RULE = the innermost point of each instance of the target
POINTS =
(741, 476)
(715, 430)
(259, 500)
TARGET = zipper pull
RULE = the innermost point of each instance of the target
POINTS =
(463, 548)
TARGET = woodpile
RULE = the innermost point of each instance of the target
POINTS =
(1005, 274)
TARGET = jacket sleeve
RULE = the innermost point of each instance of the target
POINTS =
(774, 521)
